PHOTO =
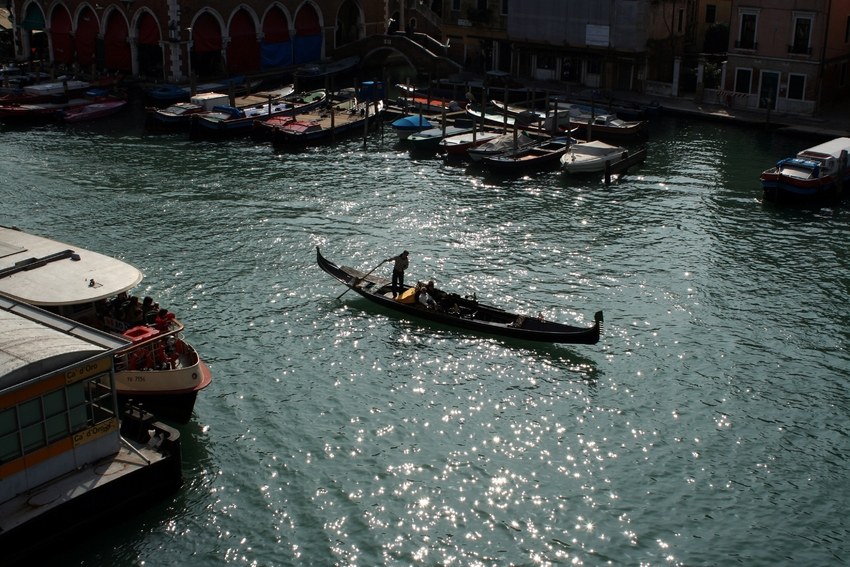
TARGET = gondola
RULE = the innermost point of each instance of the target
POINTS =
(464, 312)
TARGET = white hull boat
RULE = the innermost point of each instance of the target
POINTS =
(590, 157)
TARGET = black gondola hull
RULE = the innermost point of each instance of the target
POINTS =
(466, 313)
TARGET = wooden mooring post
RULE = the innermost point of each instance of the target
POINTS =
(624, 164)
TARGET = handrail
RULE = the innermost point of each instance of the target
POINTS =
(32, 263)
(177, 327)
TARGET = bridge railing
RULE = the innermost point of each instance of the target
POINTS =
(426, 41)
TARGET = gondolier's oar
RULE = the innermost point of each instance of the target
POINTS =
(358, 280)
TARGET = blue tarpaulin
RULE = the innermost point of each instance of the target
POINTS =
(276, 54)
(307, 48)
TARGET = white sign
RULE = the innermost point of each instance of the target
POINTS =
(597, 35)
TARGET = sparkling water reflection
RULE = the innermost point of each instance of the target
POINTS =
(708, 426)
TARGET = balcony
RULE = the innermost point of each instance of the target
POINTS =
(746, 44)
(799, 49)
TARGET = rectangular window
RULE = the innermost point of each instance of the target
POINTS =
(801, 42)
(10, 444)
(482, 4)
(847, 31)
(55, 412)
(747, 31)
(680, 21)
(456, 5)
(545, 61)
(36, 423)
(743, 80)
(796, 86)
(504, 7)
(710, 13)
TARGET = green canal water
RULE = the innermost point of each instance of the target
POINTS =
(708, 427)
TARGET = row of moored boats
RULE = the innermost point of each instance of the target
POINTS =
(500, 136)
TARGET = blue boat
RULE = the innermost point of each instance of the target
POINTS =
(168, 93)
(407, 125)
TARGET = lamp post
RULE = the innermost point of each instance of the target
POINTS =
(189, 53)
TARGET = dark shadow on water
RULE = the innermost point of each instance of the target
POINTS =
(564, 355)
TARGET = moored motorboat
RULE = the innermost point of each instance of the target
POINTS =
(608, 127)
(459, 145)
(814, 174)
(537, 156)
(74, 462)
(428, 140)
(499, 115)
(500, 144)
(177, 116)
(328, 123)
(414, 101)
(456, 311)
(229, 121)
(168, 93)
(92, 111)
(39, 112)
(407, 125)
(588, 157)
(158, 368)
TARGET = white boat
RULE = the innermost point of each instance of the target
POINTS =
(72, 461)
(428, 140)
(587, 157)
(158, 369)
(499, 145)
(816, 173)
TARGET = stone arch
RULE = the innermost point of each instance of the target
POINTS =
(35, 42)
(208, 28)
(146, 30)
(349, 23)
(116, 41)
(383, 52)
(61, 39)
(276, 46)
(86, 33)
(243, 47)
(308, 41)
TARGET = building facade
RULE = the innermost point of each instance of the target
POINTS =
(788, 56)
(171, 40)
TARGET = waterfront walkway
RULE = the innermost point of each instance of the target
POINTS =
(832, 123)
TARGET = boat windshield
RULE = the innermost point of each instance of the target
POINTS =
(798, 170)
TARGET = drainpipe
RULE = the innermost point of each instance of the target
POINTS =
(822, 66)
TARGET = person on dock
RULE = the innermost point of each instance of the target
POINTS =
(401, 264)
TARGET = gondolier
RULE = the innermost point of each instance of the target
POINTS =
(401, 263)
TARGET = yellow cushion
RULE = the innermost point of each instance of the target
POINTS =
(407, 296)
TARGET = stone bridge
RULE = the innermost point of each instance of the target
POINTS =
(422, 52)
